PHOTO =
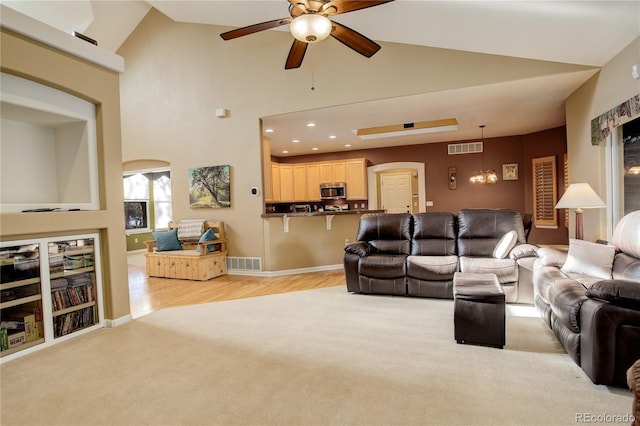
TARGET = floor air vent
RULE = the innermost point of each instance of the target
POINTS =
(244, 263)
(465, 148)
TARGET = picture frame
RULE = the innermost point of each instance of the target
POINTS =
(210, 187)
(510, 171)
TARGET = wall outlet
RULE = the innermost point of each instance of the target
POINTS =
(135, 240)
(429, 203)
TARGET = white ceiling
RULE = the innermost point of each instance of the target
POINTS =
(576, 32)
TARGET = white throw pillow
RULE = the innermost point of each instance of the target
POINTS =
(504, 246)
(587, 258)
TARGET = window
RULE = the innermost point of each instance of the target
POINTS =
(545, 195)
(147, 200)
(136, 202)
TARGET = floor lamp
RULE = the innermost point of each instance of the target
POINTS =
(580, 196)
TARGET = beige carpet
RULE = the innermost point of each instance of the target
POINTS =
(313, 357)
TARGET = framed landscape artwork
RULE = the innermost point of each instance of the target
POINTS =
(210, 187)
(510, 171)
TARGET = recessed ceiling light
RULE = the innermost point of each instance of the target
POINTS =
(315, 148)
(311, 124)
(332, 136)
(268, 130)
(285, 152)
(347, 145)
(295, 140)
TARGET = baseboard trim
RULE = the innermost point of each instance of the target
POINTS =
(286, 271)
(118, 321)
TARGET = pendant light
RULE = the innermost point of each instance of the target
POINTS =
(485, 177)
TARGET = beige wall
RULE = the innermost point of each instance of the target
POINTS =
(177, 74)
(31, 60)
(606, 90)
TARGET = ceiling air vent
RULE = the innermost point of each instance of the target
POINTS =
(465, 148)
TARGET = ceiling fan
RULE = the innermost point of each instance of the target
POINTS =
(310, 23)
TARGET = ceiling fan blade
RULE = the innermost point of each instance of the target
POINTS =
(239, 32)
(296, 54)
(337, 7)
(354, 40)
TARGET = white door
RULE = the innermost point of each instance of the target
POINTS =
(395, 192)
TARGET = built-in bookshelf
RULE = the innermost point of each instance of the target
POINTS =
(50, 291)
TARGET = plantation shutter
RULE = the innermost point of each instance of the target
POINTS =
(545, 192)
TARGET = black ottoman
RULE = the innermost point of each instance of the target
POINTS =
(478, 309)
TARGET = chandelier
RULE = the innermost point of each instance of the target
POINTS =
(485, 177)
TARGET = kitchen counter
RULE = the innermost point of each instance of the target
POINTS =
(324, 213)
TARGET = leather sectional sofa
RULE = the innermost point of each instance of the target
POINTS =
(590, 298)
(417, 255)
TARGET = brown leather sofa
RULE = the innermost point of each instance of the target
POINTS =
(596, 320)
(417, 255)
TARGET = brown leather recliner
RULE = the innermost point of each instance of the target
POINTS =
(377, 262)
(479, 232)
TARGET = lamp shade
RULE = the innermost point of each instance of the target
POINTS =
(310, 28)
(580, 196)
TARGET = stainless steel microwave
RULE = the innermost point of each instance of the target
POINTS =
(333, 190)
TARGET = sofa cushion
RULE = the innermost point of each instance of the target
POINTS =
(566, 296)
(167, 240)
(504, 246)
(480, 229)
(432, 268)
(626, 267)
(388, 233)
(505, 269)
(623, 293)
(589, 258)
(434, 234)
(551, 256)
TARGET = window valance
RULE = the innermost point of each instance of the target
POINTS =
(602, 126)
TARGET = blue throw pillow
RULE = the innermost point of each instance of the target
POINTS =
(167, 240)
(207, 236)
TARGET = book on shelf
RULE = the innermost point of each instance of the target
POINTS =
(17, 339)
(4, 339)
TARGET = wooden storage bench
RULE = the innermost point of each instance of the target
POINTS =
(189, 264)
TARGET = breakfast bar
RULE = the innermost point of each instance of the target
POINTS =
(309, 241)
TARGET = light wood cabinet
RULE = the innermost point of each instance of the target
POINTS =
(300, 182)
(286, 183)
(356, 178)
(276, 195)
(313, 182)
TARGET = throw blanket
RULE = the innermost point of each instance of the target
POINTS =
(190, 228)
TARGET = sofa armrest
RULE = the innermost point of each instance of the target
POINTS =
(523, 250)
(624, 293)
(608, 341)
(359, 247)
(551, 256)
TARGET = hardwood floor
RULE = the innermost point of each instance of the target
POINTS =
(148, 294)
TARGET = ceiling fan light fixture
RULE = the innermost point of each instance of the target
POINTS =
(310, 28)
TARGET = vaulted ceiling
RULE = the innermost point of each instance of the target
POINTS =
(587, 33)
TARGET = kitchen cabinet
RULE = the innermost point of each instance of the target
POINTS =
(300, 182)
(313, 182)
(276, 195)
(356, 178)
(286, 183)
